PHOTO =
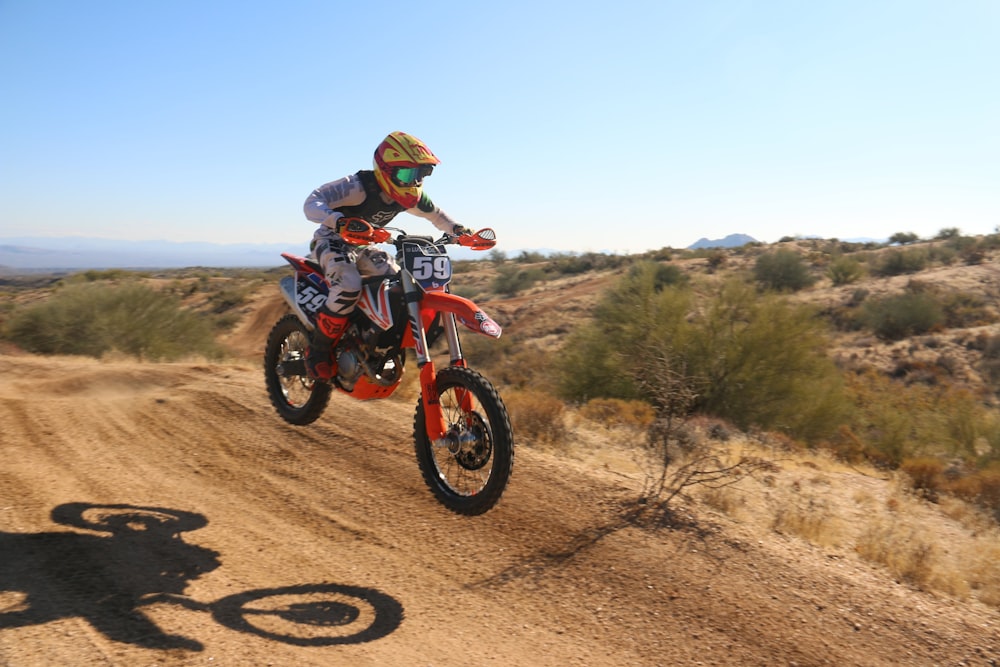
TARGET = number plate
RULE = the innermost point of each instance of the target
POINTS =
(310, 292)
(429, 265)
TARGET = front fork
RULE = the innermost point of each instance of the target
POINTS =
(434, 421)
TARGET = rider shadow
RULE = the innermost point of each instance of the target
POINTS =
(105, 579)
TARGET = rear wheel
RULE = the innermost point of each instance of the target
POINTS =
(469, 469)
(299, 399)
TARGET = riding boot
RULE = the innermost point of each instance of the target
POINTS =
(329, 328)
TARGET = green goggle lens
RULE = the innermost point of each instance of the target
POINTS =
(406, 175)
(412, 175)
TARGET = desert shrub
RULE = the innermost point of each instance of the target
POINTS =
(662, 275)
(664, 254)
(229, 296)
(716, 260)
(990, 361)
(844, 271)
(529, 257)
(510, 363)
(591, 365)
(97, 275)
(904, 238)
(899, 262)
(755, 360)
(894, 421)
(925, 473)
(573, 264)
(93, 318)
(980, 487)
(965, 309)
(537, 417)
(618, 412)
(902, 315)
(971, 250)
(944, 255)
(525, 366)
(782, 271)
(598, 360)
(511, 280)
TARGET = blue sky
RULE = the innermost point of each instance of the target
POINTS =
(576, 126)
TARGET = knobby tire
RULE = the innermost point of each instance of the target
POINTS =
(298, 399)
(469, 482)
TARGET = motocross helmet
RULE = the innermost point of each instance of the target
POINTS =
(401, 163)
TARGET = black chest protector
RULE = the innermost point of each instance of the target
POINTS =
(373, 208)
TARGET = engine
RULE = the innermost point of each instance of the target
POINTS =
(358, 355)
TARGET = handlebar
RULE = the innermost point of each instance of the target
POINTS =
(358, 231)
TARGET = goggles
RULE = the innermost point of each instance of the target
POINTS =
(410, 176)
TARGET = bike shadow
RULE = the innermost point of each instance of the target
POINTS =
(132, 556)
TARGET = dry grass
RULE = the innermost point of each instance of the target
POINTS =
(949, 548)
(538, 418)
(729, 500)
(904, 550)
(811, 518)
(982, 568)
(611, 412)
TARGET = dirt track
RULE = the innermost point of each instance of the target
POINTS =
(163, 514)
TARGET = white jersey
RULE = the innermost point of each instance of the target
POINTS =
(359, 195)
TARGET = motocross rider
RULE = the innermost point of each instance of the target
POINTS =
(394, 185)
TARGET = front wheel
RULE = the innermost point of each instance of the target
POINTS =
(468, 471)
(299, 399)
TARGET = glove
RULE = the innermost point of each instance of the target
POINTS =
(459, 230)
(333, 221)
(352, 225)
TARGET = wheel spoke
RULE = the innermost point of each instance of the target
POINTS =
(297, 398)
(468, 467)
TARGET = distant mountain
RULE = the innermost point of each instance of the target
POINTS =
(72, 253)
(731, 241)
(36, 254)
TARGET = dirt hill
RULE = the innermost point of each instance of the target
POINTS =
(163, 514)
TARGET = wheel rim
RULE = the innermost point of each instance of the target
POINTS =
(295, 388)
(466, 464)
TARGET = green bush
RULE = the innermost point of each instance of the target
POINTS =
(598, 360)
(529, 257)
(573, 264)
(662, 275)
(966, 309)
(511, 280)
(902, 315)
(763, 363)
(753, 360)
(894, 421)
(782, 271)
(92, 319)
(990, 363)
(844, 271)
(899, 262)
(904, 238)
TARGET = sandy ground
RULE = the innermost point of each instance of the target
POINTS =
(162, 514)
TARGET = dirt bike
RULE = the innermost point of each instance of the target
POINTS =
(461, 431)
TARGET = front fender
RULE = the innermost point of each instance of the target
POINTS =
(466, 312)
